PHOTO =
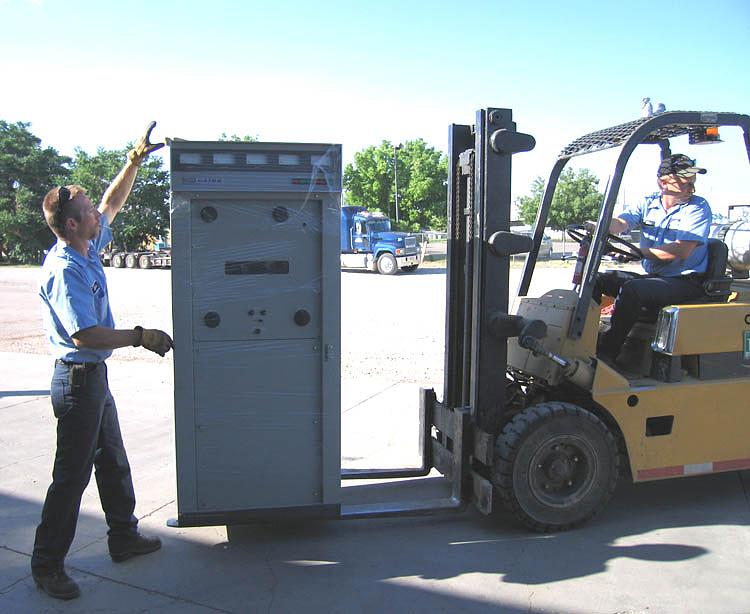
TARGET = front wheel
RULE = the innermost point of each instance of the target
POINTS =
(387, 264)
(556, 466)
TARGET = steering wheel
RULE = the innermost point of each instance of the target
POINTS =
(627, 251)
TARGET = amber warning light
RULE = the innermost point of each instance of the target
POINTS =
(704, 135)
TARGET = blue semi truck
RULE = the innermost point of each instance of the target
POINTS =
(367, 242)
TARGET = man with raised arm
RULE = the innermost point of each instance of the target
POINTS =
(82, 334)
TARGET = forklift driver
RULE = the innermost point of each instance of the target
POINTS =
(674, 228)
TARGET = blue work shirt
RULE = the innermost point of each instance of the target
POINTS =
(689, 221)
(74, 295)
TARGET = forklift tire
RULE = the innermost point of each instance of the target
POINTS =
(144, 261)
(118, 261)
(131, 261)
(387, 264)
(410, 269)
(556, 466)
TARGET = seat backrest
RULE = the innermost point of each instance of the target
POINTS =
(718, 253)
(717, 284)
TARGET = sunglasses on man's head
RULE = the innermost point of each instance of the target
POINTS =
(63, 195)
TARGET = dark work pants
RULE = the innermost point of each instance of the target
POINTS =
(88, 436)
(634, 292)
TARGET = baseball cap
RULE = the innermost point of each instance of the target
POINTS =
(679, 164)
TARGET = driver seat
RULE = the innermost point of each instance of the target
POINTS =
(717, 285)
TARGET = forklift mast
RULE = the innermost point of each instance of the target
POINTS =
(478, 262)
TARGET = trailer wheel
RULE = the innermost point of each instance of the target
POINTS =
(387, 264)
(556, 466)
(118, 261)
(131, 261)
(410, 269)
(144, 261)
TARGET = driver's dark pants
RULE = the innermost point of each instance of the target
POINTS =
(88, 436)
(633, 293)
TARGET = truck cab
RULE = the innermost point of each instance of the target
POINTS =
(367, 242)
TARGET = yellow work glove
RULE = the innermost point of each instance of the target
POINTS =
(155, 340)
(144, 147)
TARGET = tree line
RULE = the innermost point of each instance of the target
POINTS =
(28, 171)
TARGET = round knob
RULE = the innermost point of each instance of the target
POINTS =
(280, 214)
(211, 319)
(301, 317)
(209, 214)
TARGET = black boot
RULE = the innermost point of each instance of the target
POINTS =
(123, 549)
(56, 583)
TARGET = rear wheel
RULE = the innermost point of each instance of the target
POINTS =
(118, 261)
(556, 466)
(131, 261)
(387, 264)
(144, 261)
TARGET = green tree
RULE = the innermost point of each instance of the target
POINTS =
(236, 138)
(27, 172)
(422, 173)
(146, 214)
(576, 199)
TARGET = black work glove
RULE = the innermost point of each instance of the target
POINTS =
(155, 340)
(144, 147)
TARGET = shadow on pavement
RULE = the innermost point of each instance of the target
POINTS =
(499, 545)
(376, 564)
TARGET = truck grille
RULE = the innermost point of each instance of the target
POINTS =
(410, 242)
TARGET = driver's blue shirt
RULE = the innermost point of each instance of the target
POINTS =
(74, 296)
(689, 221)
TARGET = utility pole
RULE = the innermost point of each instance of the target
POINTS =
(395, 176)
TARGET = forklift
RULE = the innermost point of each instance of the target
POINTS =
(530, 420)
(551, 428)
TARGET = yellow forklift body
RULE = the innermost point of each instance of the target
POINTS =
(696, 425)
(681, 428)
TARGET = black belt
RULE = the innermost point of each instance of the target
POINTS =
(88, 366)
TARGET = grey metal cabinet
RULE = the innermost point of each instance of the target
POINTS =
(256, 311)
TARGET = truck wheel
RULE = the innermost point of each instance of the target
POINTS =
(387, 264)
(144, 261)
(118, 261)
(131, 261)
(410, 269)
(556, 466)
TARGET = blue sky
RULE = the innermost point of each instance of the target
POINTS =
(93, 74)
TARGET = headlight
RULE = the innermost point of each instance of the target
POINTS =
(666, 330)
(399, 251)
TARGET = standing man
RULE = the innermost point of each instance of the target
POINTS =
(674, 231)
(82, 335)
